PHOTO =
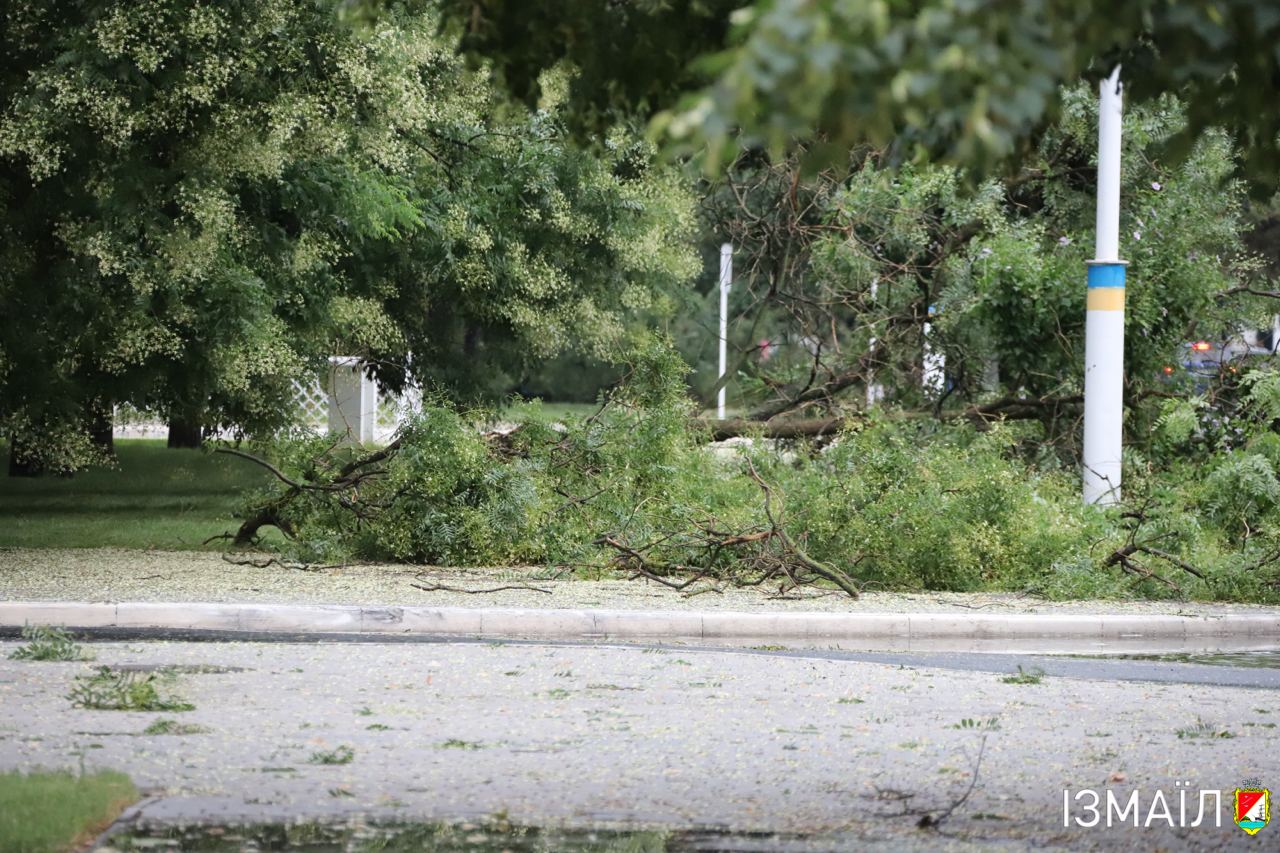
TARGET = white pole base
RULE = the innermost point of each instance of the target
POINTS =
(1104, 383)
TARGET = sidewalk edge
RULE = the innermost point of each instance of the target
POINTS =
(527, 623)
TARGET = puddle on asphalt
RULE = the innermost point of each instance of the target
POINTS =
(468, 837)
(1265, 659)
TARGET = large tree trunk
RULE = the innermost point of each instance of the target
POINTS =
(20, 466)
(185, 431)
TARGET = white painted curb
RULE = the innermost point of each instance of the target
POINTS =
(627, 624)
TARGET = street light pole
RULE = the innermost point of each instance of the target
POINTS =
(726, 276)
(1104, 317)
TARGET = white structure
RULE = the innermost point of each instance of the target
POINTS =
(1104, 320)
(875, 391)
(353, 400)
(933, 373)
(342, 399)
(726, 278)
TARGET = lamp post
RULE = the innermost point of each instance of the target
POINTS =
(1104, 317)
(726, 276)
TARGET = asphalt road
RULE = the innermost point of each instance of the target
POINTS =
(832, 749)
(1263, 673)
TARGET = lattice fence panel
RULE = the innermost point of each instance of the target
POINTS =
(312, 405)
(392, 411)
(311, 411)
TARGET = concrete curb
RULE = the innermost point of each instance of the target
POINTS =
(627, 624)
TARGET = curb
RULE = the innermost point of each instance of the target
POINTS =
(530, 623)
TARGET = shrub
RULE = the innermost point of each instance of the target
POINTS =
(891, 503)
(923, 507)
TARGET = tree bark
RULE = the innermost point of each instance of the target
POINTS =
(791, 428)
(1007, 408)
(185, 431)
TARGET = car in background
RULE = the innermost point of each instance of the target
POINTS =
(1206, 359)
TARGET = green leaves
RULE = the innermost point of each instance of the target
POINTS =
(965, 82)
(1179, 420)
(200, 204)
(1240, 490)
(1263, 396)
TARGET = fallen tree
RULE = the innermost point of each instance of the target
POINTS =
(902, 501)
(754, 556)
(1005, 408)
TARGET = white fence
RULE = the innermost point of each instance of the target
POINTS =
(344, 401)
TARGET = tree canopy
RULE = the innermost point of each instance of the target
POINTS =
(965, 81)
(845, 271)
(200, 203)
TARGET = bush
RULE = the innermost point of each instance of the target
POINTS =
(894, 503)
(922, 507)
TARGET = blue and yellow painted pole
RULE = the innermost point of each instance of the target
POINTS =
(1104, 317)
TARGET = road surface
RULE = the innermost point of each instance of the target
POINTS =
(833, 750)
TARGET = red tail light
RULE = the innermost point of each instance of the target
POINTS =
(1202, 346)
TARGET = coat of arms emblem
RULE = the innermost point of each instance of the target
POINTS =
(1253, 808)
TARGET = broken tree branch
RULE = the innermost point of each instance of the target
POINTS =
(439, 587)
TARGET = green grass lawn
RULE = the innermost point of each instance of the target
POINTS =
(156, 498)
(53, 812)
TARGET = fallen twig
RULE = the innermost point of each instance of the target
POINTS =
(820, 569)
(1122, 557)
(439, 587)
(717, 590)
(928, 821)
(268, 562)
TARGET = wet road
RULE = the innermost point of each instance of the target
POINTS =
(836, 749)
(1243, 665)
(1261, 670)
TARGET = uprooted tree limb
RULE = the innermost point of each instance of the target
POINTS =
(1006, 408)
(755, 556)
(1124, 556)
(760, 556)
(272, 514)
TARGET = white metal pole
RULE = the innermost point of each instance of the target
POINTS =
(933, 372)
(726, 276)
(1104, 317)
(875, 391)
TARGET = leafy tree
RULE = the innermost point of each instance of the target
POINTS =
(534, 247)
(841, 271)
(969, 82)
(178, 181)
(201, 203)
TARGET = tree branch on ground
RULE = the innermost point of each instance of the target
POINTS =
(439, 587)
(760, 556)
